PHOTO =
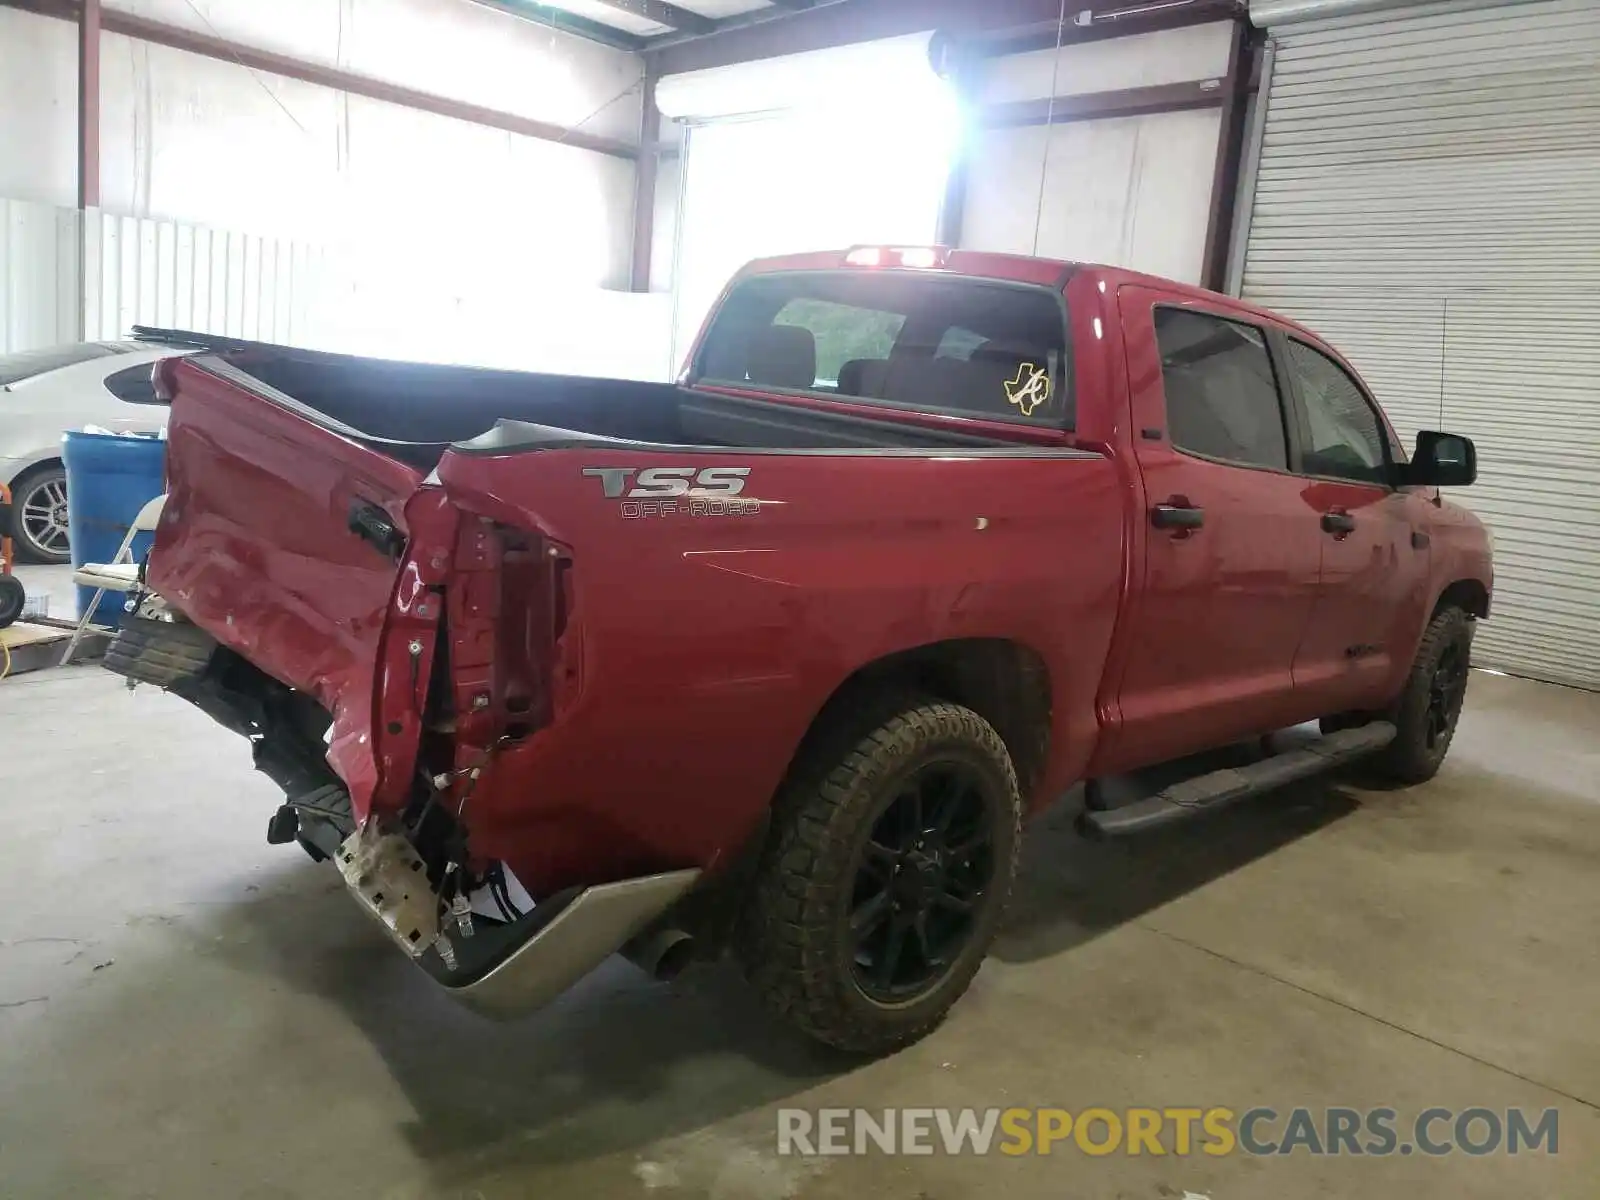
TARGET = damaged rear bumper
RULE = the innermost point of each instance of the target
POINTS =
(502, 970)
(588, 929)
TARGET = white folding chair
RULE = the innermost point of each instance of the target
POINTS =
(120, 575)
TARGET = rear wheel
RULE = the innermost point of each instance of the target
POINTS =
(885, 878)
(39, 516)
(1426, 714)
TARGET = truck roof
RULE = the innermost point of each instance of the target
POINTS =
(1016, 268)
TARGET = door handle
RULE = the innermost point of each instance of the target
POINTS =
(1339, 524)
(372, 525)
(1177, 516)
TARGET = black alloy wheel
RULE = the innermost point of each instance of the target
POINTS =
(884, 876)
(920, 880)
(1446, 692)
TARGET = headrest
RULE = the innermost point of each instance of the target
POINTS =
(783, 356)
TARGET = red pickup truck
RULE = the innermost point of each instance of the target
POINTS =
(778, 660)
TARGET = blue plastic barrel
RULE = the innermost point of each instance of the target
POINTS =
(109, 479)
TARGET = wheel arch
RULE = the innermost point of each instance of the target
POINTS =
(1005, 682)
(46, 461)
(1469, 595)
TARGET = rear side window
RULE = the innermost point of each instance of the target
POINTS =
(25, 364)
(1347, 440)
(1222, 396)
(966, 347)
(134, 385)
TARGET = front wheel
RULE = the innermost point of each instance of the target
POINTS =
(1425, 716)
(885, 878)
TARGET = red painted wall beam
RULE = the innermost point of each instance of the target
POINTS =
(162, 34)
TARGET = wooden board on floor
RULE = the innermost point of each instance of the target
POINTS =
(39, 642)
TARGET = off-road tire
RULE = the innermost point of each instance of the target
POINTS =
(791, 939)
(1410, 758)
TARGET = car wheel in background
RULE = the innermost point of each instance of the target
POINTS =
(39, 516)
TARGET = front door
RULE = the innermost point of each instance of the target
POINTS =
(1372, 596)
(1231, 550)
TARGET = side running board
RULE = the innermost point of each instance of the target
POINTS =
(1207, 793)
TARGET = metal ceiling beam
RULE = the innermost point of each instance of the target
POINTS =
(1099, 106)
(663, 13)
(991, 27)
(178, 38)
(566, 22)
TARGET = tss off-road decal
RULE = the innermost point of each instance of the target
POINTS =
(676, 491)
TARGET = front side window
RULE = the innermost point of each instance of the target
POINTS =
(1222, 396)
(966, 347)
(1347, 440)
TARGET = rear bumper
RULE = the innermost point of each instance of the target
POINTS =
(589, 929)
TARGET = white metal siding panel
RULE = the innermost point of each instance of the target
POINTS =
(144, 272)
(1429, 200)
(38, 275)
(1125, 191)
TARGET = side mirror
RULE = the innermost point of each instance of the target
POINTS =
(1442, 460)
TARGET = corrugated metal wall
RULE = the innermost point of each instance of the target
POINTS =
(1429, 200)
(38, 275)
(144, 272)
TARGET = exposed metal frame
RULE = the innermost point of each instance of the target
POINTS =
(984, 27)
(566, 22)
(162, 34)
(664, 13)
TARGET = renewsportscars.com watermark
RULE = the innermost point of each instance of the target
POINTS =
(1167, 1131)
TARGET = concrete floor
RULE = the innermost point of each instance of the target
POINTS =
(188, 1012)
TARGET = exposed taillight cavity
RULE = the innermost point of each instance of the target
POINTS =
(914, 258)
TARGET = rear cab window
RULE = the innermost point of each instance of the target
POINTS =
(957, 346)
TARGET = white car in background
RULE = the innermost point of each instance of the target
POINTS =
(45, 393)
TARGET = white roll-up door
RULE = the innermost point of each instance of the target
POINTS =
(1428, 199)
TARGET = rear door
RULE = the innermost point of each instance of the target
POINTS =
(1372, 596)
(1231, 548)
